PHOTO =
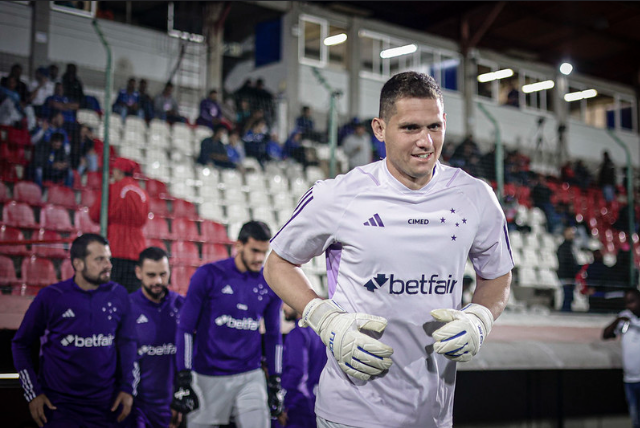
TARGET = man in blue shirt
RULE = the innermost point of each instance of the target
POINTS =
(155, 309)
(210, 111)
(128, 101)
(219, 342)
(88, 373)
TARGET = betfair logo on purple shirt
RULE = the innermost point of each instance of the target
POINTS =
(243, 324)
(433, 284)
(95, 341)
(165, 349)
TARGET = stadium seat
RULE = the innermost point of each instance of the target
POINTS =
(156, 227)
(259, 198)
(180, 278)
(56, 218)
(4, 193)
(89, 118)
(255, 182)
(155, 242)
(13, 154)
(181, 188)
(185, 253)
(213, 252)
(94, 180)
(62, 196)
(38, 272)
(237, 213)
(186, 209)
(213, 232)
(8, 233)
(548, 278)
(9, 172)
(66, 270)
(156, 188)
(212, 211)
(185, 229)
(516, 240)
(19, 214)
(83, 222)
(88, 197)
(28, 192)
(200, 133)
(527, 277)
(264, 214)
(8, 272)
(159, 207)
(299, 187)
(49, 250)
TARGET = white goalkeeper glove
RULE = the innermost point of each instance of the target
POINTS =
(461, 337)
(358, 355)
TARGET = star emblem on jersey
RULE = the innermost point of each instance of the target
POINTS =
(109, 310)
(68, 314)
(142, 319)
(376, 282)
(227, 289)
(374, 221)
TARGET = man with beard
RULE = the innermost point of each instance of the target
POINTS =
(219, 343)
(88, 371)
(155, 309)
(304, 357)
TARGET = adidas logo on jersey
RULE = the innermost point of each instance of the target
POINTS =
(142, 319)
(374, 221)
(227, 289)
(424, 285)
(68, 314)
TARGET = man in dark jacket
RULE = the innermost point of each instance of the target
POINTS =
(567, 267)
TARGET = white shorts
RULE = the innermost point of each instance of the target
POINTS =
(244, 395)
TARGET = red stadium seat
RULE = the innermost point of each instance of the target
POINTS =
(186, 209)
(19, 214)
(212, 231)
(94, 180)
(180, 278)
(8, 172)
(156, 227)
(8, 272)
(20, 137)
(62, 196)
(88, 197)
(156, 188)
(8, 233)
(49, 250)
(83, 222)
(28, 192)
(66, 270)
(4, 193)
(159, 207)
(213, 252)
(38, 272)
(154, 242)
(13, 154)
(185, 229)
(185, 253)
(53, 217)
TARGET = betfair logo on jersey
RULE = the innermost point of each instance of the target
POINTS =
(433, 284)
(243, 324)
(95, 341)
(165, 349)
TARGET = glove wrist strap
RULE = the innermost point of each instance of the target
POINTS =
(483, 313)
(316, 312)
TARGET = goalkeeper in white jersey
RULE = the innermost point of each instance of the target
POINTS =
(397, 234)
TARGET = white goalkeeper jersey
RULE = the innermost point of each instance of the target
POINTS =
(397, 253)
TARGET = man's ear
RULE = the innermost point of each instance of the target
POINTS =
(378, 126)
(78, 264)
(139, 272)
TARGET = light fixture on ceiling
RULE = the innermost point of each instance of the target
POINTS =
(566, 68)
(581, 95)
(538, 86)
(335, 40)
(495, 75)
(402, 50)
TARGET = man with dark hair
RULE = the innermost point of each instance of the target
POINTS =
(213, 150)
(59, 103)
(567, 267)
(54, 125)
(166, 107)
(128, 101)
(72, 85)
(434, 217)
(210, 111)
(155, 309)
(128, 212)
(88, 374)
(220, 370)
(21, 87)
(51, 162)
(627, 326)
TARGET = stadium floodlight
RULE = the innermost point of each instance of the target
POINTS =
(495, 75)
(538, 86)
(402, 50)
(566, 68)
(581, 95)
(335, 40)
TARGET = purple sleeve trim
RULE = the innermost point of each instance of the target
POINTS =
(375, 180)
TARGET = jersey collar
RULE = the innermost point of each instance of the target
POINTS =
(393, 182)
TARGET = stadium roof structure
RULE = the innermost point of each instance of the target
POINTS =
(600, 38)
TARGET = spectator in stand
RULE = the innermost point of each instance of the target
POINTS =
(243, 115)
(20, 87)
(567, 268)
(255, 141)
(235, 149)
(294, 149)
(128, 101)
(303, 358)
(146, 103)
(264, 100)
(53, 126)
(87, 362)
(488, 164)
(245, 92)
(275, 150)
(11, 113)
(256, 115)
(597, 274)
(305, 124)
(210, 111)
(568, 174)
(607, 177)
(166, 107)
(59, 103)
(72, 85)
(51, 162)
(53, 74)
(88, 153)
(467, 157)
(213, 151)
(541, 197)
(583, 175)
(41, 89)
(357, 147)
(127, 215)
(513, 95)
(620, 271)
(347, 129)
